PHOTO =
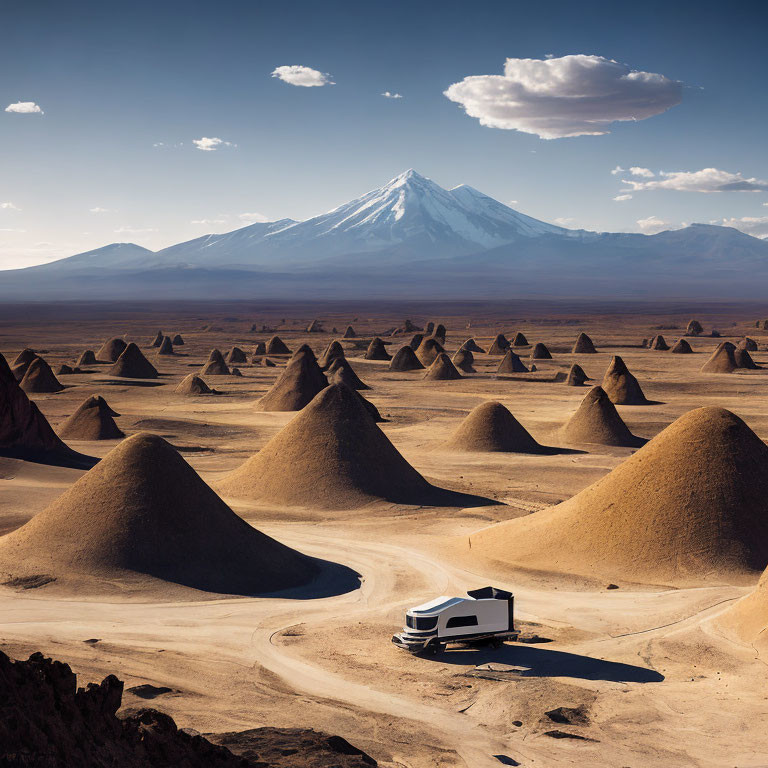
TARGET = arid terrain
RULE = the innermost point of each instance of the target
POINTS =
(655, 673)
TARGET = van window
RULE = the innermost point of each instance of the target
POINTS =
(461, 621)
(421, 622)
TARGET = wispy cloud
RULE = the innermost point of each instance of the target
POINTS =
(9, 207)
(706, 180)
(653, 225)
(305, 77)
(134, 230)
(207, 222)
(757, 226)
(253, 217)
(576, 95)
(622, 198)
(211, 144)
(97, 209)
(25, 108)
(389, 95)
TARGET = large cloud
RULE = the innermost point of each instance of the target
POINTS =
(705, 180)
(24, 108)
(554, 98)
(306, 77)
(211, 143)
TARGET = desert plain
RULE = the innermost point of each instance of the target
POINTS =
(653, 671)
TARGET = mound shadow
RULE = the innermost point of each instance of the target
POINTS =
(332, 580)
(538, 662)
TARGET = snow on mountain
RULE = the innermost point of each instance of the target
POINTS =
(409, 216)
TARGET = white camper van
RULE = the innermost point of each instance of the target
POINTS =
(485, 616)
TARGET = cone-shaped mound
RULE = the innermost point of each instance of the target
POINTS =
(87, 358)
(689, 506)
(260, 348)
(334, 351)
(621, 386)
(65, 370)
(644, 344)
(236, 355)
(111, 350)
(40, 378)
(499, 345)
(681, 347)
(540, 352)
(511, 364)
(749, 616)
(519, 340)
(265, 362)
(315, 327)
(464, 361)
(722, 360)
(597, 421)
(491, 427)
(428, 351)
(442, 369)
(22, 362)
(24, 432)
(429, 328)
(415, 342)
(276, 346)
(158, 340)
(470, 345)
(235, 372)
(440, 333)
(91, 421)
(694, 328)
(193, 385)
(747, 343)
(177, 340)
(25, 357)
(349, 333)
(744, 360)
(659, 343)
(133, 365)
(295, 387)
(584, 345)
(576, 376)
(377, 350)
(331, 455)
(341, 372)
(216, 366)
(166, 346)
(405, 360)
(144, 511)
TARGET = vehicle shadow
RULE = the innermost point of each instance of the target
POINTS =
(540, 662)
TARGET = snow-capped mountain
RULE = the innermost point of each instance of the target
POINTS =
(412, 238)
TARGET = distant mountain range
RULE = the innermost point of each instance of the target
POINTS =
(412, 238)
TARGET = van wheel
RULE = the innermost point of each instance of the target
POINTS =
(432, 648)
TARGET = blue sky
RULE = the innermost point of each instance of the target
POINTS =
(115, 80)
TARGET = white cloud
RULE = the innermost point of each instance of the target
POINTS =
(757, 226)
(706, 180)
(564, 221)
(211, 144)
(646, 172)
(9, 207)
(133, 231)
(11, 229)
(575, 95)
(24, 108)
(618, 169)
(653, 225)
(253, 217)
(306, 77)
(388, 95)
(513, 202)
(207, 222)
(97, 209)
(622, 198)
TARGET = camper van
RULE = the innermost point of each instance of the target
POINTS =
(485, 616)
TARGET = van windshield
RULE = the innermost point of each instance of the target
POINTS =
(420, 622)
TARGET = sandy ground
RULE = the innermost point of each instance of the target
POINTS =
(662, 684)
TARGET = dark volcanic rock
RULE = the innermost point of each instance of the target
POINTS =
(46, 721)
